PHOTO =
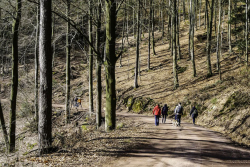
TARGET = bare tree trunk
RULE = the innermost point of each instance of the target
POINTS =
(36, 64)
(98, 69)
(91, 107)
(153, 30)
(184, 10)
(178, 33)
(218, 41)
(169, 24)
(45, 63)
(137, 46)
(149, 32)
(174, 13)
(192, 13)
(110, 113)
(229, 27)
(5, 134)
(209, 37)
(246, 33)
(200, 15)
(67, 100)
(14, 84)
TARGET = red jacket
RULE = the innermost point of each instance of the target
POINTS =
(157, 110)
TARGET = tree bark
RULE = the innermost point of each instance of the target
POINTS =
(98, 69)
(178, 33)
(36, 64)
(229, 27)
(14, 84)
(137, 46)
(67, 100)
(218, 41)
(149, 32)
(110, 113)
(192, 13)
(246, 38)
(91, 107)
(153, 30)
(209, 37)
(45, 63)
(176, 82)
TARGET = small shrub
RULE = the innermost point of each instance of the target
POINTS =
(214, 101)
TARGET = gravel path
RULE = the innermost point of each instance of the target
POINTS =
(185, 146)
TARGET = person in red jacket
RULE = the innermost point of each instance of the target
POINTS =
(157, 114)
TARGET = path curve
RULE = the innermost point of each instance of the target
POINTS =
(185, 146)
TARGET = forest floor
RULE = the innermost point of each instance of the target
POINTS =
(188, 145)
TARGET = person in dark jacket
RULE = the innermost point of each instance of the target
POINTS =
(164, 112)
(194, 113)
(157, 114)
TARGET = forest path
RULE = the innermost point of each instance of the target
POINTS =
(188, 145)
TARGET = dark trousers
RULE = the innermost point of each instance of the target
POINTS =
(164, 118)
(179, 119)
(157, 120)
(194, 116)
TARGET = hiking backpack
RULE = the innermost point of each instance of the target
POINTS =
(179, 110)
(195, 112)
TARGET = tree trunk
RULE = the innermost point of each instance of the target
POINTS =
(218, 41)
(246, 38)
(45, 63)
(184, 10)
(14, 84)
(137, 46)
(229, 27)
(169, 24)
(178, 34)
(36, 64)
(153, 30)
(209, 37)
(110, 113)
(67, 100)
(174, 13)
(5, 134)
(91, 108)
(98, 69)
(149, 32)
(200, 15)
(192, 13)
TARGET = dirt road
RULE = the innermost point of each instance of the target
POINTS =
(185, 146)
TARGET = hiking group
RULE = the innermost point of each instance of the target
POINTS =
(178, 112)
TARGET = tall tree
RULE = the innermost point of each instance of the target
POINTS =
(153, 29)
(67, 99)
(192, 13)
(178, 32)
(137, 46)
(98, 68)
(14, 84)
(218, 41)
(149, 31)
(45, 66)
(91, 107)
(246, 38)
(229, 26)
(174, 13)
(110, 113)
(209, 35)
(36, 63)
